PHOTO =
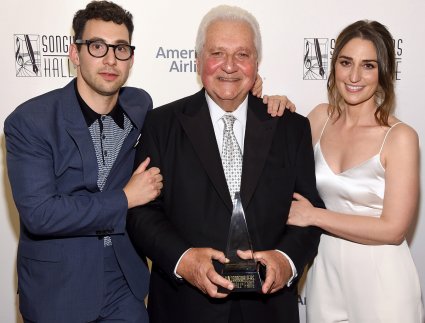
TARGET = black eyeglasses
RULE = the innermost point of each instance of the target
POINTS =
(98, 49)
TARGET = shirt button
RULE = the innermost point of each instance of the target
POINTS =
(105, 153)
(103, 137)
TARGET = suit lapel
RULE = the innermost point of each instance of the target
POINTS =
(76, 127)
(136, 110)
(260, 128)
(196, 122)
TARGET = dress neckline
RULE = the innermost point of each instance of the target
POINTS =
(378, 155)
(350, 168)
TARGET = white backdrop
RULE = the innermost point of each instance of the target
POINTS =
(164, 66)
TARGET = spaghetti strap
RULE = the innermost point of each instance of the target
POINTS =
(323, 129)
(385, 138)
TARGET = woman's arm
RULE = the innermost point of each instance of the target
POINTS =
(400, 158)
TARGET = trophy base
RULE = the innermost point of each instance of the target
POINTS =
(246, 277)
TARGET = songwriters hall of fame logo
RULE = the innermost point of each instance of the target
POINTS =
(43, 55)
(27, 55)
(315, 59)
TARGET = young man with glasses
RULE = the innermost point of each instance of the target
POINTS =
(70, 155)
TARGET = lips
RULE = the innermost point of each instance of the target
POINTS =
(228, 79)
(108, 76)
(353, 88)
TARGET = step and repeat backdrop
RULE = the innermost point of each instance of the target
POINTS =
(298, 41)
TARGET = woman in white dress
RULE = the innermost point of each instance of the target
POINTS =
(367, 170)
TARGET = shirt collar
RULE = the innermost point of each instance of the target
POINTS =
(217, 113)
(117, 113)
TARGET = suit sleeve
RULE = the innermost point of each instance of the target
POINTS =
(45, 208)
(151, 232)
(300, 243)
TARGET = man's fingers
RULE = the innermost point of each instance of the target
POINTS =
(280, 107)
(291, 106)
(219, 281)
(157, 178)
(270, 272)
(245, 254)
(298, 196)
(271, 107)
(154, 171)
(214, 279)
(276, 273)
(269, 282)
(197, 268)
(259, 256)
(158, 185)
(143, 165)
(219, 256)
(277, 104)
(257, 87)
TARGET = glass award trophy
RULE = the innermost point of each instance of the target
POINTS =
(246, 274)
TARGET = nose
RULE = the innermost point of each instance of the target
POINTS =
(229, 65)
(110, 58)
(355, 74)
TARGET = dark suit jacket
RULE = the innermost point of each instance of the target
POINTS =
(195, 207)
(53, 172)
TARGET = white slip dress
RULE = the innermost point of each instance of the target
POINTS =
(352, 282)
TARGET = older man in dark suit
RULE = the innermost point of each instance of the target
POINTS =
(184, 232)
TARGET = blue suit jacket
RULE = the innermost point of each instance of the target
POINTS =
(53, 172)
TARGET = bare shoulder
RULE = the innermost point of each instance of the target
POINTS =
(318, 112)
(317, 118)
(402, 142)
(401, 133)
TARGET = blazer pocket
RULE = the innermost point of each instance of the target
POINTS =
(40, 250)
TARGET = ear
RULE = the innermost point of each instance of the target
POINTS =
(198, 66)
(74, 55)
(132, 61)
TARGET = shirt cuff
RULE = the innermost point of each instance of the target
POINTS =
(175, 268)
(294, 270)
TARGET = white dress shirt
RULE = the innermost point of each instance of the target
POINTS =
(217, 113)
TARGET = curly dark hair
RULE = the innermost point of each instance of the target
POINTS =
(381, 38)
(102, 10)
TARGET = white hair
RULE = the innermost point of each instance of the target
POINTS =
(228, 13)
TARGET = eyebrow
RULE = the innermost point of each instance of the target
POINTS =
(365, 60)
(119, 41)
